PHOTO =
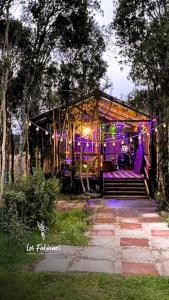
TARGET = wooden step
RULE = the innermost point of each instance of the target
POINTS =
(127, 197)
(114, 180)
(124, 183)
(125, 192)
(123, 188)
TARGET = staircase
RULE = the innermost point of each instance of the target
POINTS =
(125, 188)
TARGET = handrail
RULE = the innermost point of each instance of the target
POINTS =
(147, 188)
(146, 160)
(146, 173)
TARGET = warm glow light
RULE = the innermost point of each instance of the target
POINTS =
(122, 142)
(114, 144)
(87, 145)
(37, 128)
(70, 142)
(148, 133)
(46, 132)
(78, 143)
(86, 131)
(105, 145)
(164, 125)
(61, 139)
(156, 129)
(131, 140)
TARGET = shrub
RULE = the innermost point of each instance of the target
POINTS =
(27, 201)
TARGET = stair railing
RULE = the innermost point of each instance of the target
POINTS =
(147, 171)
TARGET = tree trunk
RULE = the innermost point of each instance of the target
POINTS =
(12, 157)
(4, 85)
(4, 134)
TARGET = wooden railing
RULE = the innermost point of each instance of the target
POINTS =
(146, 167)
(147, 180)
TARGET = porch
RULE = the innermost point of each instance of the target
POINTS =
(122, 174)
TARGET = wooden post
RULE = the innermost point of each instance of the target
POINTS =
(73, 159)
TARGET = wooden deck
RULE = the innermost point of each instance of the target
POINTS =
(122, 174)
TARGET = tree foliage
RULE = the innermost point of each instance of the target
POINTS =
(142, 31)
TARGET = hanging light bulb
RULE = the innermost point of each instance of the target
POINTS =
(37, 128)
(87, 145)
(164, 125)
(114, 144)
(131, 140)
(46, 132)
(148, 133)
(70, 142)
(61, 139)
(78, 143)
(105, 145)
(53, 136)
(156, 129)
(122, 142)
(29, 123)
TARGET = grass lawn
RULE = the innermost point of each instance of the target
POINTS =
(68, 229)
(18, 283)
(82, 287)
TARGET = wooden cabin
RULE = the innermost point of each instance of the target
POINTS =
(99, 140)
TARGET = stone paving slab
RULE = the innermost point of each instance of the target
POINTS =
(53, 264)
(103, 227)
(105, 242)
(127, 220)
(160, 232)
(134, 242)
(97, 252)
(159, 243)
(133, 254)
(127, 237)
(101, 233)
(98, 265)
(139, 268)
(163, 268)
(130, 226)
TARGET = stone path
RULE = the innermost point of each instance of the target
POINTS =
(127, 237)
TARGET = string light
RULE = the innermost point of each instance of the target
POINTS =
(86, 131)
(109, 139)
(70, 142)
(61, 139)
(87, 145)
(114, 144)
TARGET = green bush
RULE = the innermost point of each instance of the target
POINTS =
(27, 201)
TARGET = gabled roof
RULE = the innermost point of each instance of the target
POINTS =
(109, 107)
